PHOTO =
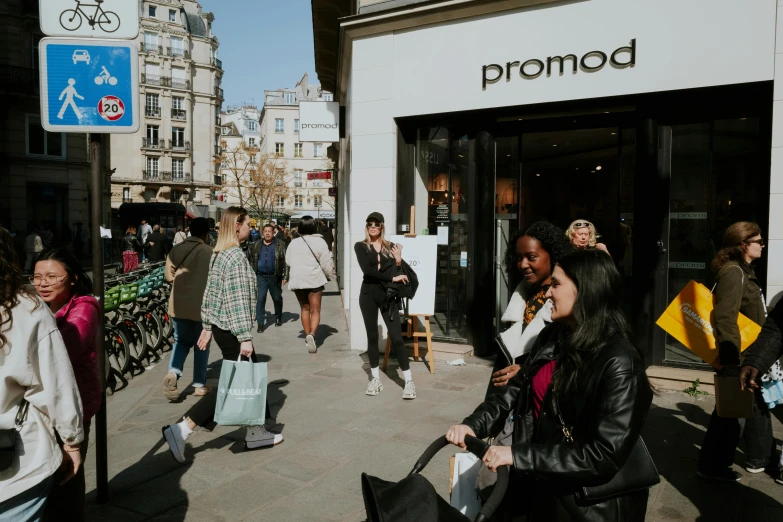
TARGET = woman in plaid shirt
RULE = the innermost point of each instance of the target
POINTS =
(228, 314)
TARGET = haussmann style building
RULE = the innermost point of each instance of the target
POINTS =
(659, 121)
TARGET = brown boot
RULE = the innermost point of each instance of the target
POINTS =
(170, 386)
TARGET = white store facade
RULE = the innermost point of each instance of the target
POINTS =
(659, 121)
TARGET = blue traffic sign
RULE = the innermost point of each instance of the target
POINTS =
(89, 85)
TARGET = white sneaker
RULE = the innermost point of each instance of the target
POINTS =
(755, 470)
(375, 387)
(310, 343)
(409, 393)
(176, 441)
(259, 437)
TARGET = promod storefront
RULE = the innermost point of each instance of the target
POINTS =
(652, 119)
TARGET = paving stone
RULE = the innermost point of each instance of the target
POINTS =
(244, 494)
(302, 467)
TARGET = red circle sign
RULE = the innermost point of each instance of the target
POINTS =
(111, 108)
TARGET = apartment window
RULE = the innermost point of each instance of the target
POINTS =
(178, 169)
(150, 41)
(153, 11)
(298, 177)
(126, 193)
(176, 196)
(153, 167)
(153, 105)
(152, 134)
(328, 96)
(178, 78)
(251, 142)
(280, 202)
(290, 98)
(296, 126)
(298, 150)
(177, 46)
(298, 201)
(172, 15)
(177, 137)
(42, 143)
(317, 201)
(318, 150)
(279, 125)
(224, 131)
(251, 125)
(280, 149)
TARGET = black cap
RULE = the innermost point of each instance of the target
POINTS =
(375, 216)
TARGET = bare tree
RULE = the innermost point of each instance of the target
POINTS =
(270, 182)
(238, 166)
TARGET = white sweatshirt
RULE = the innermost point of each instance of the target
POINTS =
(34, 365)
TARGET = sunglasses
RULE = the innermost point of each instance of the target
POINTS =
(759, 241)
(374, 224)
(580, 224)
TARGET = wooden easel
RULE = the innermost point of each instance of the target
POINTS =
(413, 323)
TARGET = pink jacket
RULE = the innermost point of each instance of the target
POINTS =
(78, 324)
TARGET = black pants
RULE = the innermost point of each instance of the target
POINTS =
(371, 299)
(723, 437)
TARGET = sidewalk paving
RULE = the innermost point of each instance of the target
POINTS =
(334, 432)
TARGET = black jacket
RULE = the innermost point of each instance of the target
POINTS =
(768, 347)
(607, 414)
(281, 269)
(160, 249)
(368, 261)
(130, 243)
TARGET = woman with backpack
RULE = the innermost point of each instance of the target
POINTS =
(381, 264)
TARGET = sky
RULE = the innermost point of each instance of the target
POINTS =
(264, 44)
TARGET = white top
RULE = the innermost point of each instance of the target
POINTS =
(309, 269)
(34, 365)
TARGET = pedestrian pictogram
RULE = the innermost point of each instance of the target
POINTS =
(89, 85)
(90, 18)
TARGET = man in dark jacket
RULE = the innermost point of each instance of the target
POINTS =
(159, 245)
(267, 258)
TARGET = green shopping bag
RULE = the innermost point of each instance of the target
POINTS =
(241, 398)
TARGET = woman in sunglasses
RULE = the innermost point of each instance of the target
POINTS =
(737, 290)
(381, 263)
(583, 235)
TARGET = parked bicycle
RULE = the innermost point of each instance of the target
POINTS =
(108, 21)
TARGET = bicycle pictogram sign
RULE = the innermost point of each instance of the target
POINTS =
(107, 21)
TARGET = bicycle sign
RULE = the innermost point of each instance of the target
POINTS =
(89, 85)
(90, 18)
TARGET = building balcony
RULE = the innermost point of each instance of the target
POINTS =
(180, 145)
(165, 176)
(152, 48)
(165, 81)
(18, 80)
(176, 51)
(218, 92)
(151, 79)
(217, 63)
(179, 114)
(153, 112)
(179, 83)
(153, 143)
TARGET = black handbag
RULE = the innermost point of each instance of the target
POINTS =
(8, 437)
(638, 472)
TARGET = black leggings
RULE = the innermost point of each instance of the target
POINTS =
(371, 299)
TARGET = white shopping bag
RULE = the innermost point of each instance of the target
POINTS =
(464, 495)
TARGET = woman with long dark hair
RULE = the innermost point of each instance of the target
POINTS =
(737, 290)
(227, 314)
(39, 396)
(130, 250)
(579, 403)
(65, 288)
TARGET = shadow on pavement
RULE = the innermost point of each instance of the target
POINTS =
(673, 437)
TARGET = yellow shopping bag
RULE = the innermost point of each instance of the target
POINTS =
(689, 320)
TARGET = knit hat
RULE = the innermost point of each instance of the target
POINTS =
(375, 216)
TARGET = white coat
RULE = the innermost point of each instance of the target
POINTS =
(310, 267)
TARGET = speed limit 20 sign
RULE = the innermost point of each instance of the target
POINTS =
(111, 108)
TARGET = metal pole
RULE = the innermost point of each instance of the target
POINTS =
(96, 212)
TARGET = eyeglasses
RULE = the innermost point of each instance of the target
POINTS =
(758, 241)
(374, 224)
(50, 279)
(580, 224)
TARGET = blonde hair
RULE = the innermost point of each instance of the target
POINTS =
(227, 236)
(572, 228)
(385, 245)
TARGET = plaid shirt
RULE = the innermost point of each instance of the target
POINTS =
(230, 296)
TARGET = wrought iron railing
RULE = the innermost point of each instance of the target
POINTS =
(152, 48)
(153, 143)
(179, 114)
(180, 145)
(177, 51)
(166, 176)
(179, 83)
(218, 92)
(152, 111)
(217, 63)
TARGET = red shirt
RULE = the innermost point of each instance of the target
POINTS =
(541, 381)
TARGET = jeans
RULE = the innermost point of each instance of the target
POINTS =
(371, 299)
(28, 505)
(186, 333)
(274, 284)
(723, 436)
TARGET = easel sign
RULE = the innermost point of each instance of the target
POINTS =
(421, 253)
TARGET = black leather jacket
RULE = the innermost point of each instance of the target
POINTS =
(606, 415)
(130, 243)
(768, 346)
(281, 269)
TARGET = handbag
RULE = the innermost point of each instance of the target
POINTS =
(317, 261)
(638, 472)
(8, 437)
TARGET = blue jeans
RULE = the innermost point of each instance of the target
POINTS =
(186, 333)
(273, 284)
(28, 505)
